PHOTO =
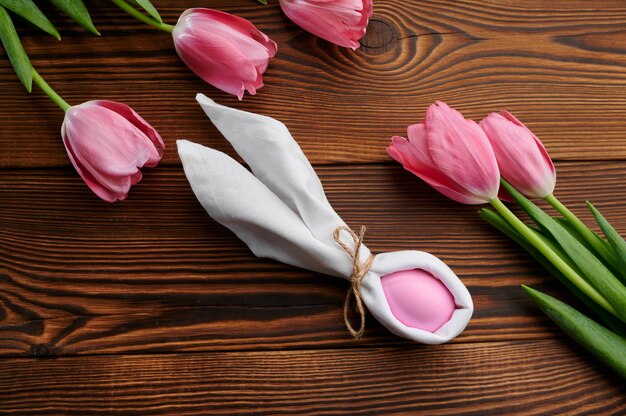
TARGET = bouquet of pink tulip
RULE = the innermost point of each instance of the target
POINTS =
(467, 162)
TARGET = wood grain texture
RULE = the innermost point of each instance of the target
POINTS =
(155, 273)
(559, 66)
(150, 307)
(467, 379)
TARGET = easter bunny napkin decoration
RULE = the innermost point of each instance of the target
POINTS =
(281, 212)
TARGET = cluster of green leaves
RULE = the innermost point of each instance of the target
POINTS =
(28, 10)
(582, 252)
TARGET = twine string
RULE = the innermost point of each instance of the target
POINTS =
(359, 270)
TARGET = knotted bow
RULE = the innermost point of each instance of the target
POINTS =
(359, 270)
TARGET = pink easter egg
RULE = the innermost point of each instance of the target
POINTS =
(418, 299)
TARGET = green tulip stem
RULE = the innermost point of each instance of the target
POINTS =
(582, 229)
(142, 17)
(50, 92)
(551, 256)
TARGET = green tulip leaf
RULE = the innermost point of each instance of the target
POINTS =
(78, 12)
(595, 272)
(601, 342)
(598, 245)
(564, 222)
(148, 7)
(615, 240)
(608, 259)
(498, 222)
(15, 51)
(29, 11)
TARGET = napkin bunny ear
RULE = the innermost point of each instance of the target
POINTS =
(239, 201)
(276, 160)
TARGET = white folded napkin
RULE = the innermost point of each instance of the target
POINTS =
(281, 212)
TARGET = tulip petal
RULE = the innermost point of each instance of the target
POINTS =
(522, 158)
(218, 62)
(430, 173)
(461, 150)
(548, 165)
(239, 24)
(96, 187)
(217, 74)
(129, 114)
(342, 22)
(154, 138)
(257, 52)
(105, 143)
(135, 178)
(226, 51)
(414, 159)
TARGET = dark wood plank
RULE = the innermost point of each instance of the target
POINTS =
(530, 378)
(558, 65)
(155, 273)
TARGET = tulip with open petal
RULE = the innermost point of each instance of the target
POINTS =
(451, 154)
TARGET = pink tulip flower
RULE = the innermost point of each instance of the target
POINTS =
(226, 51)
(107, 143)
(342, 22)
(451, 154)
(522, 159)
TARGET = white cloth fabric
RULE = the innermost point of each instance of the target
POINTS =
(281, 212)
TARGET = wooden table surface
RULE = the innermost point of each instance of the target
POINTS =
(150, 307)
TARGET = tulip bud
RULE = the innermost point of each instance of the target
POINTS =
(226, 51)
(342, 22)
(522, 158)
(451, 154)
(107, 143)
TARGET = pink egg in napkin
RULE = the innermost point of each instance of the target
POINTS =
(418, 299)
(281, 212)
